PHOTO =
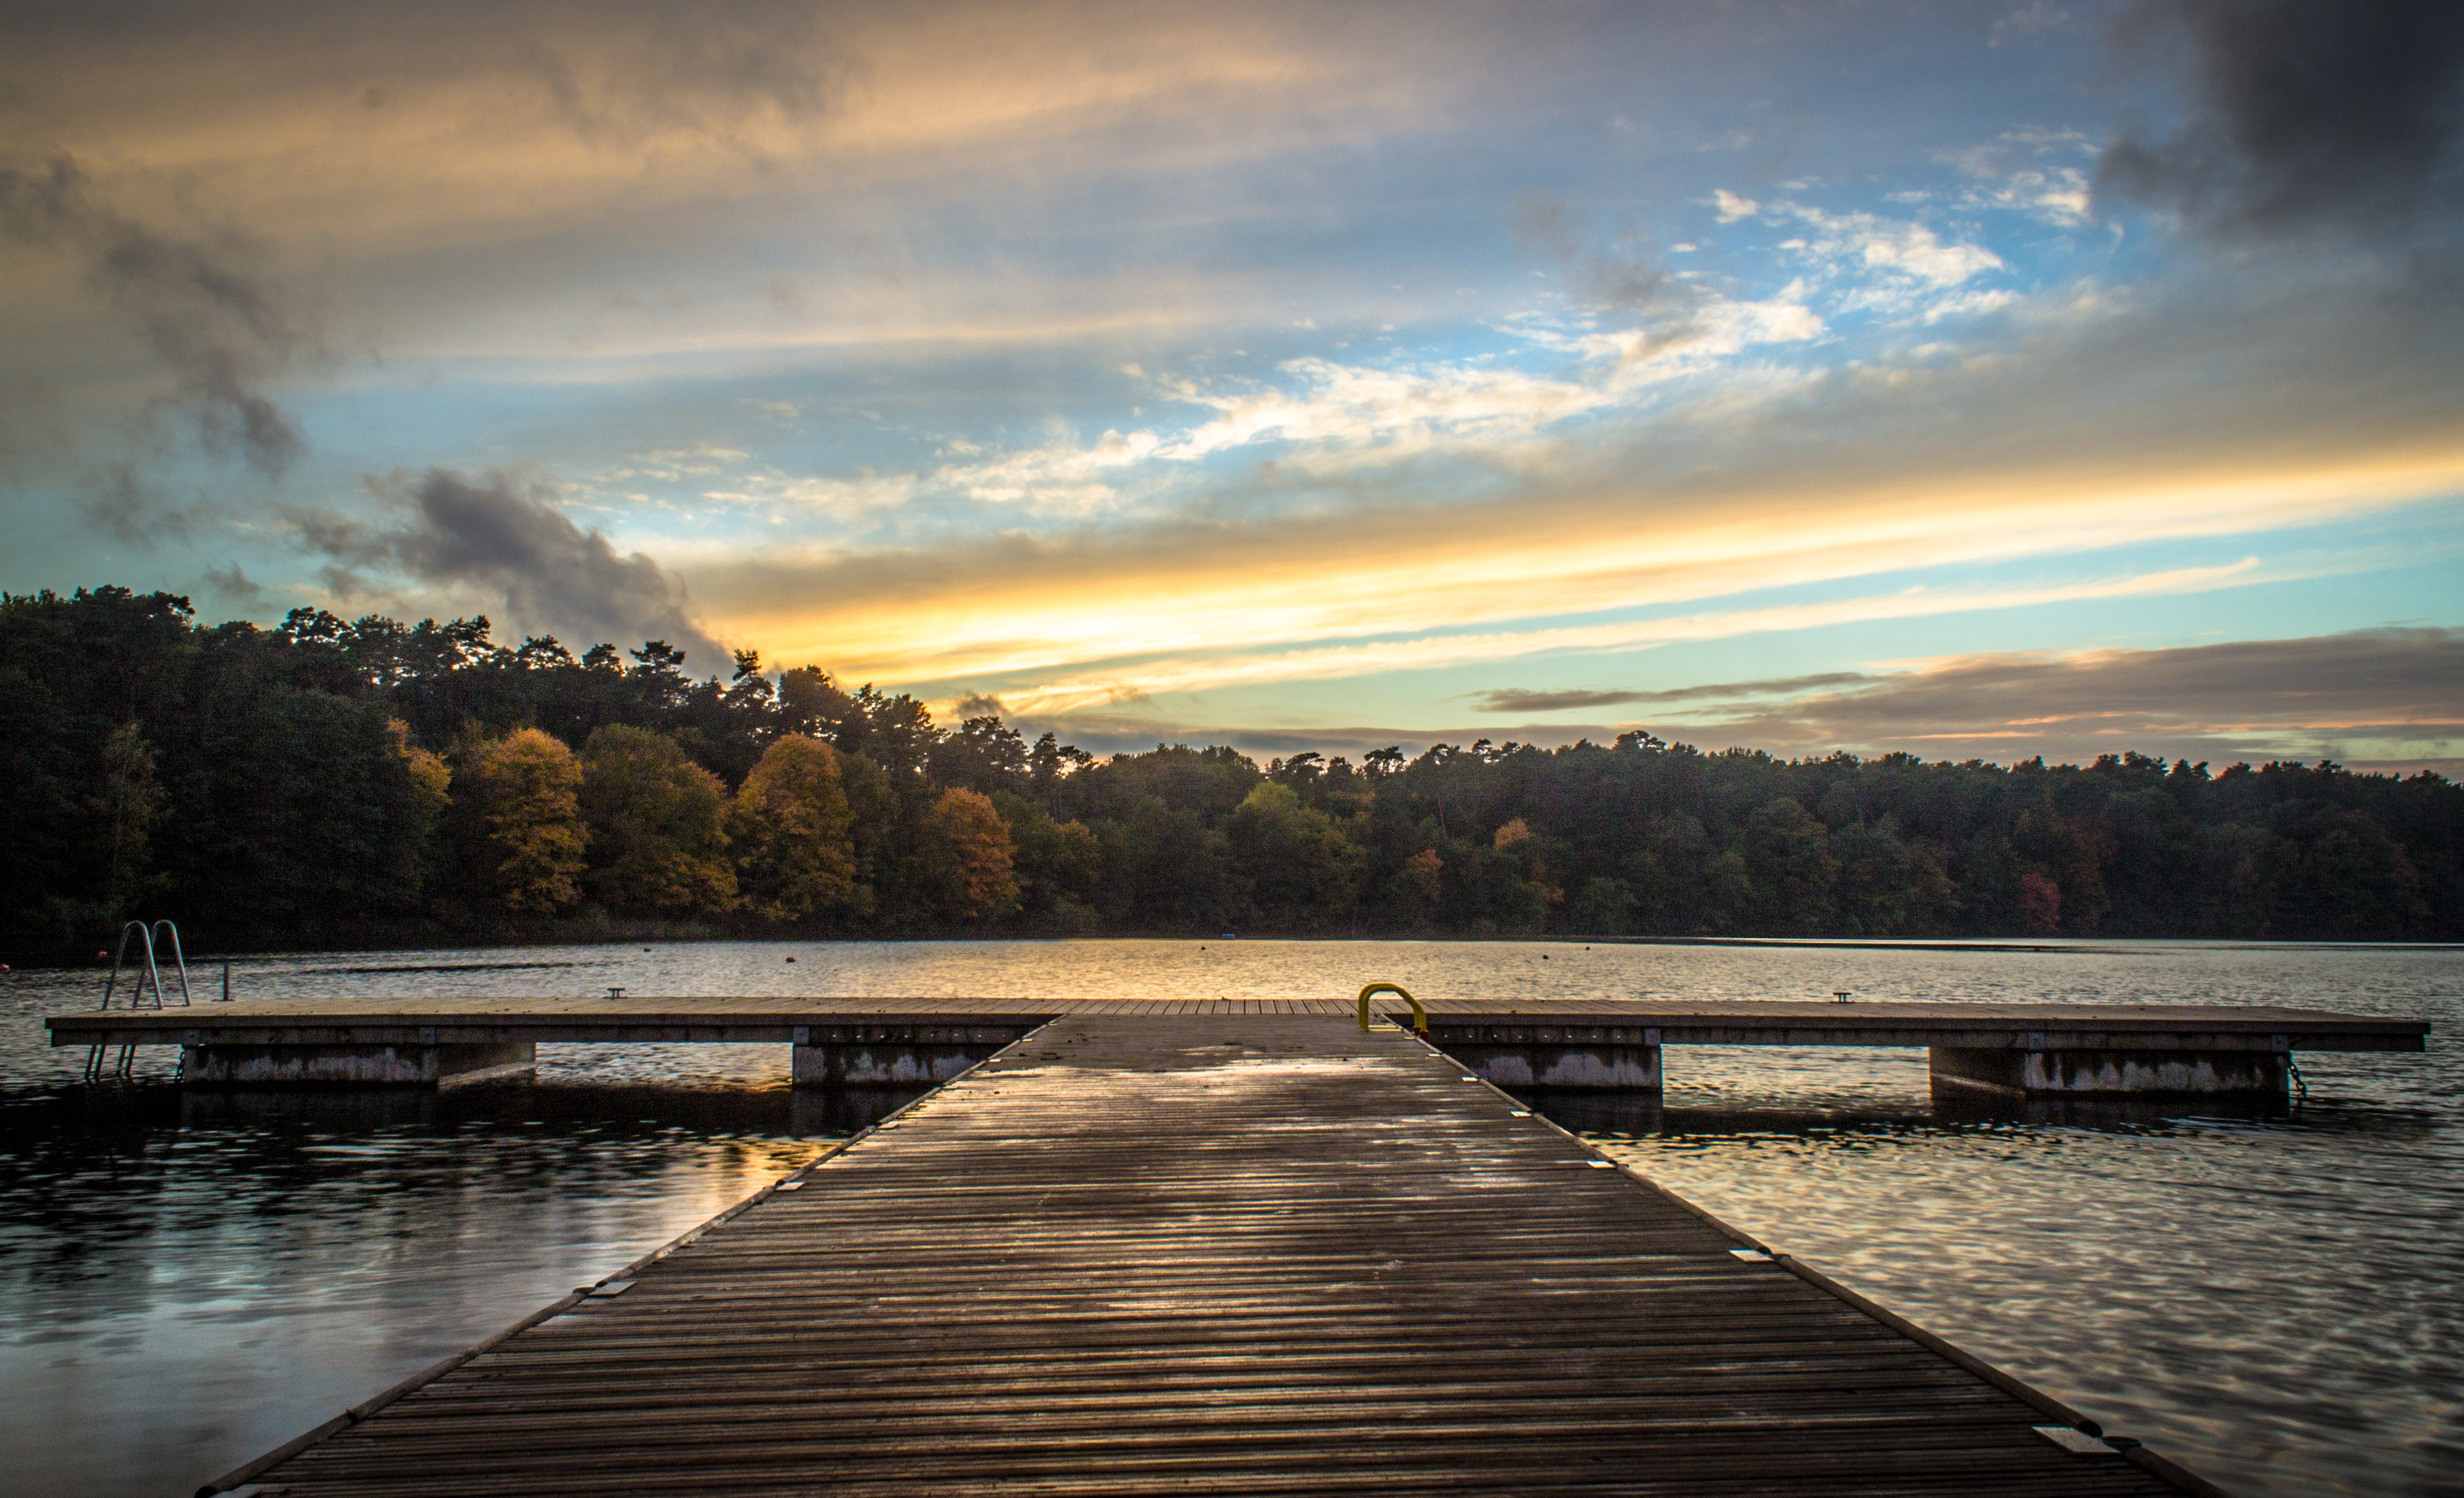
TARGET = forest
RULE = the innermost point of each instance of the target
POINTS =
(368, 783)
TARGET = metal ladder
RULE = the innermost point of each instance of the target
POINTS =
(151, 973)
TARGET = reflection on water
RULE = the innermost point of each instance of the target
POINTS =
(2258, 1289)
(187, 1280)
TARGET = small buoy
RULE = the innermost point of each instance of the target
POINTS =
(1544, 956)
(645, 949)
(101, 956)
(791, 959)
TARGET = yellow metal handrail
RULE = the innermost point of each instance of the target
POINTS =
(1420, 1016)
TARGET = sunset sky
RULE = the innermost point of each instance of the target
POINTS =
(1975, 380)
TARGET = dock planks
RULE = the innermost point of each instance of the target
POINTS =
(1208, 1254)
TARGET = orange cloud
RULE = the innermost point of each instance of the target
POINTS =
(1210, 604)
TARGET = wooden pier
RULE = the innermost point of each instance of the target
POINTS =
(1248, 1250)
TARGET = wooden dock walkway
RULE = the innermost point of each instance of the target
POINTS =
(1207, 1253)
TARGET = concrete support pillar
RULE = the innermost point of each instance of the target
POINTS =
(883, 1063)
(1556, 1058)
(2113, 1073)
(355, 1066)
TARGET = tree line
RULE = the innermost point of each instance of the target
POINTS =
(341, 782)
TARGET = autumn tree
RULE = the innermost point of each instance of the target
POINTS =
(431, 779)
(791, 832)
(967, 846)
(656, 843)
(531, 785)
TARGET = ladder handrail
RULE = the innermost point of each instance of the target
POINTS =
(177, 956)
(119, 954)
(93, 1067)
(1420, 1015)
(152, 970)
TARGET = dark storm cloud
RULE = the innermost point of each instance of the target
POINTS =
(208, 317)
(1513, 699)
(507, 539)
(2342, 116)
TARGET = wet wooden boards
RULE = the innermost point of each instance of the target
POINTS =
(1209, 1254)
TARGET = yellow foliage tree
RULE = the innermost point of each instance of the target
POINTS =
(969, 846)
(656, 844)
(530, 784)
(431, 779)
(790, 825)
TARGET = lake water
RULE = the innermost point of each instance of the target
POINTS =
(186, 1282)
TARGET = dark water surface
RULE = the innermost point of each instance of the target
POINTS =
(185, 1282)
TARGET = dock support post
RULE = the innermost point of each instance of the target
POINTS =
(1590, 1058)
(2114, 1073)
(353, 1065)
(890, 1055)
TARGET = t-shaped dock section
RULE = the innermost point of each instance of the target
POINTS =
(2019, 1050)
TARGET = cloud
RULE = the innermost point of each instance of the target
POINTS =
(1629, 280)
(2025, 23)
(1513, 699)
(1198, 670)
(218, 327)
(1894, 248)
(410, 129)
(723, 70)
(2340, 117)
(503, 537)
(2039, 172)
(2103, 417)
(236, 585)
(2384, 699)
(2391, 697)
(1517, 699)
(120, 502)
